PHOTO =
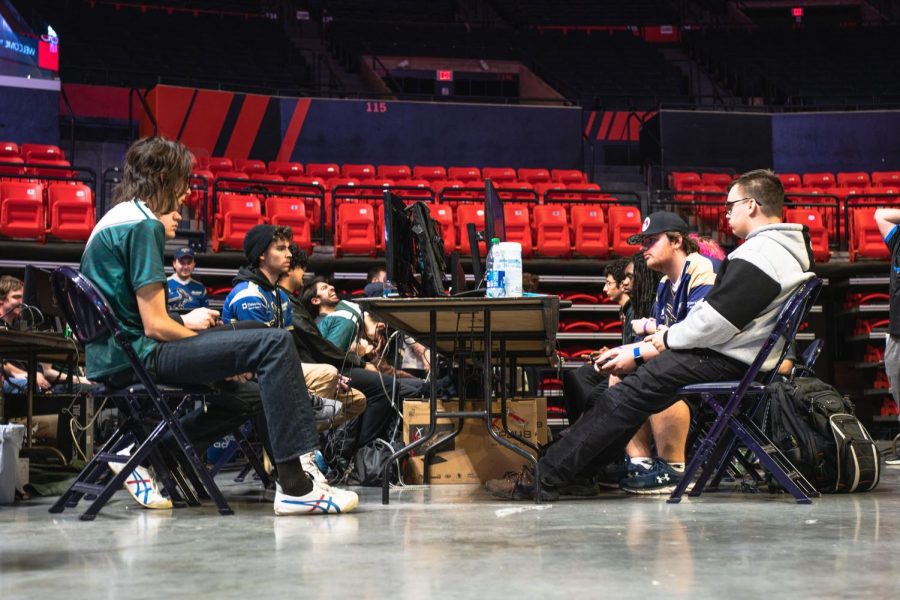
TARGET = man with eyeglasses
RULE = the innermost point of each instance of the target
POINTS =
(716, 341)
(184, 293)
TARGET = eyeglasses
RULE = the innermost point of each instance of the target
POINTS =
(729, 206)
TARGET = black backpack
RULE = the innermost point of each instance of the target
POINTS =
(813, 425)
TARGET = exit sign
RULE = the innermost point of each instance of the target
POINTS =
(445, 75)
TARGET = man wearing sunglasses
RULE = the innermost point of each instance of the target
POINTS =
(184, 293)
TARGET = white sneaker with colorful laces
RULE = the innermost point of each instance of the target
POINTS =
(322, 500)
(141, 485)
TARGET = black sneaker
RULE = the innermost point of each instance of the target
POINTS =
(660, 479)
(581, 488)
(616, 473)
(520, 487)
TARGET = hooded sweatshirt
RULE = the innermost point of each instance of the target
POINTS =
(753, 284)
(254, 298)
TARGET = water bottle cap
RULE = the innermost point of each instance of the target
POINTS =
(495, 240)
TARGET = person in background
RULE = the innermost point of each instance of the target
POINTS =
(183, 292)
(888, 221)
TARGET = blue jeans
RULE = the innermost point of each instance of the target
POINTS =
(218, 353)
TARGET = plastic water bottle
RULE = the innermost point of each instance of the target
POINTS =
(511, 258)
(495, 272)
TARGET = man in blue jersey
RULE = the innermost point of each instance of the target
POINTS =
(888, 221)
(183, 293)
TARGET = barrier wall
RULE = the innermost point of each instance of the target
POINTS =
(365, 131)
(29, 115)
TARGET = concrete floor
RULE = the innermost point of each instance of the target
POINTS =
(455, 541)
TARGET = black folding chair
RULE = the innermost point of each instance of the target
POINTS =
(91, 318)
(736, 403)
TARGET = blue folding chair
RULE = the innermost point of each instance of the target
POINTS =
(736, 403)
(91, 318)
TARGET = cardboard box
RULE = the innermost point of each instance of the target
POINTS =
(446, 467)
(526, 418)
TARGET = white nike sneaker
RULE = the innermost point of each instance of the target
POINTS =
(141, 485)
(321, 500)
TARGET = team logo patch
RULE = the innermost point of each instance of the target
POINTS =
(646, 224)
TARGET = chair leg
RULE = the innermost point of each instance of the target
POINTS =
(206, 482)
(251, 456)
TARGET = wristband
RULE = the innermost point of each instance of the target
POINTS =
(638, 359)
(645, 327)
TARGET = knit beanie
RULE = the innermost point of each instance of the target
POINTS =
(257, 242)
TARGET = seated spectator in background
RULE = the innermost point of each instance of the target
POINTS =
(530, 283)
(687, 279)
(124, 259)
(183, 292)
(579, 383)
(888, 221)
(716, 341)
(375, 280)
(257, 297)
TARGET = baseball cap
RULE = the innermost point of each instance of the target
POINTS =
(659, 222)
(182, 252)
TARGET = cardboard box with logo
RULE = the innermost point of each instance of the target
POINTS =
(473, 456)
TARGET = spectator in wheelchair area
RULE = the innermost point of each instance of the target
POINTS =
(185, 293)
(124, 259)
(716, 341)
(256, 297)
(888, 221)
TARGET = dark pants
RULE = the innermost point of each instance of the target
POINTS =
(581, 387)
(280, 394)
(377, 416)
(601, 434)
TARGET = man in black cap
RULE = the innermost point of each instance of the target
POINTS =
(183, 292)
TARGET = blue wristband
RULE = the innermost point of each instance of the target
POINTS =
(638, 359)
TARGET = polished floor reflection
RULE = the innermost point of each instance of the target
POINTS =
(455, 541)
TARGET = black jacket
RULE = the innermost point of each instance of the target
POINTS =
(312, 347)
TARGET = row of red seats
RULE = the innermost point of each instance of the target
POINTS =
(687, 180)
(236, 214)
(362, 172)
(66, 211)
(541, 229)
(43, 160)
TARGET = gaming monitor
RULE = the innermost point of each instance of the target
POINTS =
(494, 219)
(429, 251)
(399, 246)
(38, 293)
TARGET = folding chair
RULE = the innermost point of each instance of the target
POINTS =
(735, 422)
(90, 317)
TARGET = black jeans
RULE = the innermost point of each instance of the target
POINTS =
(280, 394)
(580, 389)
(601, 434)
(377, 416)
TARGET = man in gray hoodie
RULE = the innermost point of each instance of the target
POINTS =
(716, 341)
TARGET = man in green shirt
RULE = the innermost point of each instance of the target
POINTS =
(124, 259)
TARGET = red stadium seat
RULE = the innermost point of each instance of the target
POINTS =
(818, 233)
(818, 180)
(583, 191)
(434, 173)
(9, 149)
(567, 176)
(42, 152)
(358, 172)
(421, 189)
(534, 176)
(879, 194)
(516, 191)
(881, 178)
(444, 216)
(624, 222)
(9, 165)
(243, 180)
(219, 163)
(235, 216)
(517, 222)
(51, 168)
(589, 227)
(865, 239)
(713, 202)
(552, 228)
(684, 180)
(444, 191)
(291, 212)
(22, 210)
(325, 170)
(285, 169)
(312, 199)
(470, 213)
(723, 180)
(499, 175)
(790, 180)
(396, 172)
(355, 229)
(541, 189)
(250, 167)
(71, 211)
(467, 174)
(846, 180)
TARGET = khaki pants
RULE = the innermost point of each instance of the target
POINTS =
(322, 380)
